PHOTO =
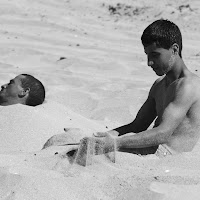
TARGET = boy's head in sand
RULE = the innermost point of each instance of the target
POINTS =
(162, 41)
(23, 89)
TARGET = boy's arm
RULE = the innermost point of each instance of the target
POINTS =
(143, 120)
(145, 115)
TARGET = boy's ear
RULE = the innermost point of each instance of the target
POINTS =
(175, 49)
(24, 92)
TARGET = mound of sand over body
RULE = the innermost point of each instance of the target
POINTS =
(26, 129)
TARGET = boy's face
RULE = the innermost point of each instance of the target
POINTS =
(159, 59)
(10, 92)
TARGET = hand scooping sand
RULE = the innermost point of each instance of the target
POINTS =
(90, 146)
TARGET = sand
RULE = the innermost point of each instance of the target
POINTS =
(89, 56)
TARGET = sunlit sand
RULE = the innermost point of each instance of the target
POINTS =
(89, 56)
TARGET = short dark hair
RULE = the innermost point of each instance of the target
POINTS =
(163, 33)
(37, 91)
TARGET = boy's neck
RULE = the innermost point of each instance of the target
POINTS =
(179, 69)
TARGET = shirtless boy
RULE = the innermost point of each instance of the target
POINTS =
(173, 101)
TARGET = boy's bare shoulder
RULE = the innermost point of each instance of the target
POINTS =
(194, 82)
(188, 85)
(157, 84)
(191, 81)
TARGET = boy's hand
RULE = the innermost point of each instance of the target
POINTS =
(90, 146)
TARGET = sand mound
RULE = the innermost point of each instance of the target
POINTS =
(26, 129)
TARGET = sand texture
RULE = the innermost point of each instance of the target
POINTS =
(89, 56)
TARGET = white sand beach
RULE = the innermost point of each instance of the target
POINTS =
(89, 56)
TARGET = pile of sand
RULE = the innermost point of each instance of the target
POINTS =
(26, 129)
